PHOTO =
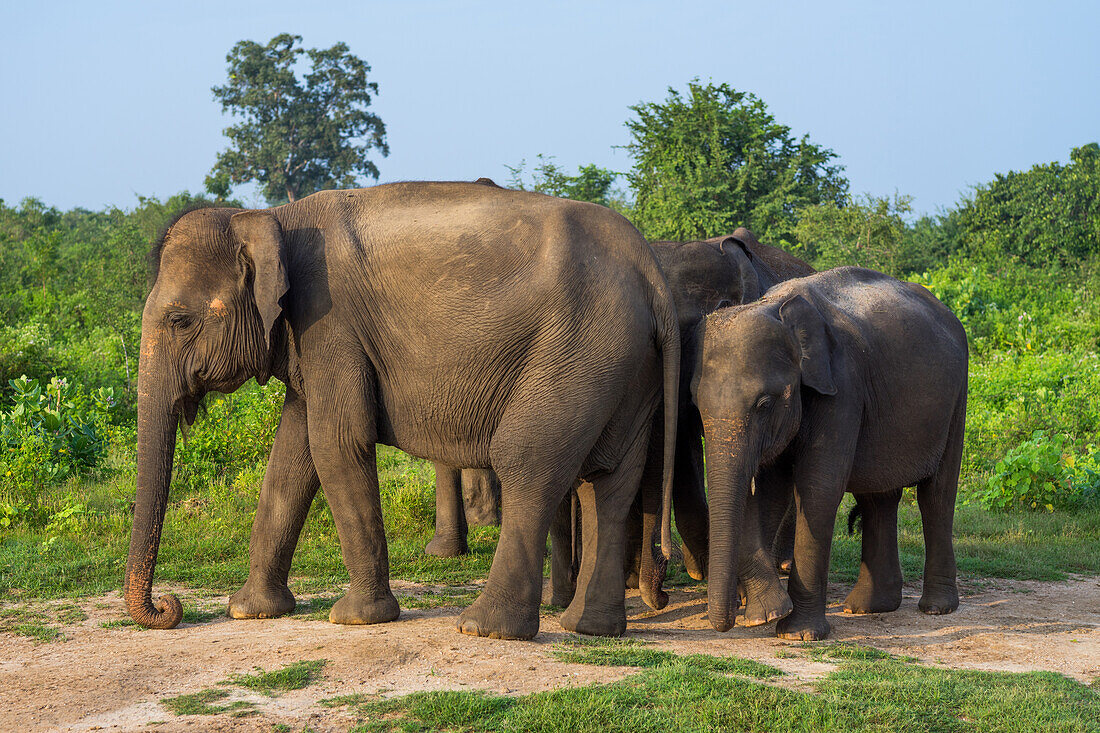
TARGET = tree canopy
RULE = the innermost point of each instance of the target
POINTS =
(713, 159)
(592, 183)
(1051, 212)
(296, 136)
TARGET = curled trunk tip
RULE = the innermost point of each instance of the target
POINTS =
(166, 614)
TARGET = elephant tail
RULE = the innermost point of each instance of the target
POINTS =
(855, 516)
(668, 337)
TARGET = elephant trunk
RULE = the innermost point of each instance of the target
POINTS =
(729, 476)
(157, 421)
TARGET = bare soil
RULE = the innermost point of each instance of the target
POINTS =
(114, 678)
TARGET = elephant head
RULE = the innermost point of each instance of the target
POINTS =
(754, 363)
(208, 325)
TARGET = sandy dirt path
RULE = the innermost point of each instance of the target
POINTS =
(113, 678)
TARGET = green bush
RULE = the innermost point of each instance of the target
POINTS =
(232, 439)
(49, 435)
(1042, 474)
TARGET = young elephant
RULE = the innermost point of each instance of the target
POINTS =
(847, 380)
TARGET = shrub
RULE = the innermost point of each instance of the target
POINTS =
(232, 439)
(1042, 474)
(49, 435)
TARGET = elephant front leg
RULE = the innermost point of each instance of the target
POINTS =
(765, 598)
(450, 517)
(343, 449)
(817, 496)
(290, 483)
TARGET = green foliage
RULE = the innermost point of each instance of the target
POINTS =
(1042, 474)
(713, 159)
(867, 231)
(296, 138)
(1050, 213)
(229, 444)
(47, 436)
(592, 183)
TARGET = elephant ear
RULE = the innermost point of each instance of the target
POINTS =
(259, 240)
(812, 333)
(737, 252)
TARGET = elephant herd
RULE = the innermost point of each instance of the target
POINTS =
(539, 350)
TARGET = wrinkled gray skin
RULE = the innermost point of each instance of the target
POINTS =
(847, 380)
(514, 360)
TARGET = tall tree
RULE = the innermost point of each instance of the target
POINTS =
(713, 159)
(1049, 213)
(296, 136)
(592, 183)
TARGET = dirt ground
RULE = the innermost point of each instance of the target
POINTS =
(113, 678)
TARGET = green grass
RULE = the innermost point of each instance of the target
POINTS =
(866, 692)
(201, 703)
(205, 544)
(291, 677)
(631, 652)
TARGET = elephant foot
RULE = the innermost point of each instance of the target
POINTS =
(803, 627)
(498, 621)
(447, 546)
(632, 579)
(359, 608)
(765, 607)
(252, 601)
(939, 600)
(866, 598)
(594, 622)
(696, 566)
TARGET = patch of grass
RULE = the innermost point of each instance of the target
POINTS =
(195, 616)
(627, 652)
(39, 632)
(291, 677)
(120, 623)
(200, 703)
(71, 614)
(315, 609)
(841, 650)
(862, 694)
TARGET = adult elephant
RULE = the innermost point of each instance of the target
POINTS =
(463, 323)
(702, 275)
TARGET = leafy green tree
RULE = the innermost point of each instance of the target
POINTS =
(867, 231)
(296, 136)
(1047, 214)
(713, 159)
(592, 183)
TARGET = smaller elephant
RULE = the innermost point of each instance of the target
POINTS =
(847, 380)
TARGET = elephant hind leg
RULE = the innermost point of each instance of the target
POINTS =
(536, 465)
(878, 589)
(599, 605)
(936, 499)
(449, 539)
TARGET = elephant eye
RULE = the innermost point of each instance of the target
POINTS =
(764, 402)
(179, 319)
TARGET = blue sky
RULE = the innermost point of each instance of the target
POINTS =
(106, 100)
